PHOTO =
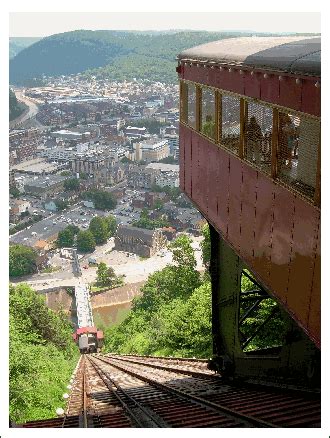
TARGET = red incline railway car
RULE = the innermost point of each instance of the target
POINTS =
(250, 161)
(88, 339)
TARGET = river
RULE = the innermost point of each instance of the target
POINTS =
(111, 315)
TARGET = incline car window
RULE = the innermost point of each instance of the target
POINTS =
(208, 113)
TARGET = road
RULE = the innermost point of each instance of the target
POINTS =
(133, 267)
(27, 115)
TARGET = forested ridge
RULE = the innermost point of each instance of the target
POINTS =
(17, 44)
(116, 55)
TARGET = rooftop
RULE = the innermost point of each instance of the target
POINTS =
(38, 165)
(283, 54)
(163, 167)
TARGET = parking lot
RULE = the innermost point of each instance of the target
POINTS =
(77, 215)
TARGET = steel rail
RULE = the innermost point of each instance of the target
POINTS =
(106, 378)
(169, 359)
(217, 407)
(165, 368)
(85, 422)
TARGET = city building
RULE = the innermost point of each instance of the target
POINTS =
(144, 243)
(45, 186)
(154, 149)
(135, 132)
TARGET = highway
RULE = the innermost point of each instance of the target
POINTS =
(27, 115)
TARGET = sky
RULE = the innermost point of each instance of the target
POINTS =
(40, 24)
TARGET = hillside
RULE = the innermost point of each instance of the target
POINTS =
(42, 356)
(15, 108)
(117, 55)
(17, 44)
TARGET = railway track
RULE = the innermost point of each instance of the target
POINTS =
(137, 391)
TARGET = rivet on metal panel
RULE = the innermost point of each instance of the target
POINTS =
(252, 73)
(298, 81)
(266, 76)
(280, 78)
(317, 84)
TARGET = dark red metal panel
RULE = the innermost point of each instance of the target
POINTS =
(301, 97)
(223, 198)
(311, 97)
(194, 166)
(314, 316)
(290, 93)
(302, 259)
(187, 164)
(252, 86)
(270, 89)
(213, 183)
(248, 195)
(234, 217)
(281, 241)
(203, 169)
(182, 139)
(213, 72)
(263, 226)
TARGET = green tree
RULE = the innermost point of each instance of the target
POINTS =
(25, 214)
(102, 200)
(22, 260)
(71, 184)
(206, 245)
(105, 275)
(40, 347)
(174, 281)
(111, 225)
(185, 326)
(61, 205)
(85, 241)
(66, 173)
(99, 228)
(158, 205)
(65, 238)
(83, 175)
(14, 192)
(183, 253)
(74, 229)
(16, 108)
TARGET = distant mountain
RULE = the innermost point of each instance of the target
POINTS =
(17, 44)
(117, 55)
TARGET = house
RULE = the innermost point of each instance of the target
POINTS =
(50, 205)
(144, 243)
(18, 206)
(89, 204)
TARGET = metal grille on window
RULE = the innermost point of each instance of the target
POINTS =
(298, 144)
(184, 102)
(192, 105)
(258, 135)
(208, 113)
(230, 131)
